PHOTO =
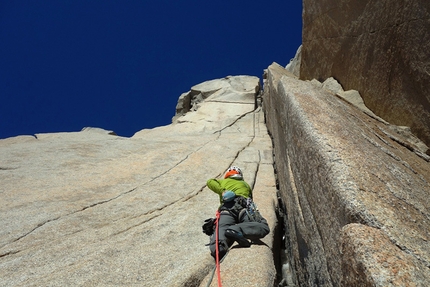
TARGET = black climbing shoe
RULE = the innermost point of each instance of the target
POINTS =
(237, 236)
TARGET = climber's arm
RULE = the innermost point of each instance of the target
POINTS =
(215, 186)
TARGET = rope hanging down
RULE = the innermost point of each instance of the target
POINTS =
(217, 248)
(217, 261)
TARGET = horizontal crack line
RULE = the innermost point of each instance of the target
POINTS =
(234, 122)
(231, 102)
(158, 210)
(107, 200)
(183, 199)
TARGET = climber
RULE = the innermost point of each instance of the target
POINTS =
(239, 219)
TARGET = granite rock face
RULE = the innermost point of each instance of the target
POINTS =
(90, 208)
(379, 48)
(294, 65)
(356, 194)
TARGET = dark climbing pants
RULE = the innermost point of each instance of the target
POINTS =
(251, 230)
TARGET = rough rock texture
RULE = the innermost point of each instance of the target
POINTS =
(93, 209)
(90, 208)
(354, 97)
(370, 259)
(379, 48)
(294, 65)
(357, 197)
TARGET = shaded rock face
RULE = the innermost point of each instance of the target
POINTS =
(379, 48)
(90, 208)
(357, 200)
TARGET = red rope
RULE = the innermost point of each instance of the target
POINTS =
(217, 249)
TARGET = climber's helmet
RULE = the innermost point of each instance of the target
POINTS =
(233, 172)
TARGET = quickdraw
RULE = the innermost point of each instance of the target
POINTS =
(252, 211)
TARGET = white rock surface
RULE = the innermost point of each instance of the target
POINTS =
(332, 85)
(93, 209)
(294, 65)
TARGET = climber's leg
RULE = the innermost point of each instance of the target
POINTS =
(251, 229)
(225, 221)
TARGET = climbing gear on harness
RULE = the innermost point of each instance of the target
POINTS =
(241, 205)
(242, 201)
(238, 237)
(228, 196)
(234, 207)
(252, 211)
(234, 172)
(209, 226)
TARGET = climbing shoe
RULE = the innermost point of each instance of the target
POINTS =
(237, 236)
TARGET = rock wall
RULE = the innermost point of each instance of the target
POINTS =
(90, 208)
(357, 198)
(379, 48)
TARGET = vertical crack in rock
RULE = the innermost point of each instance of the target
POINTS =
(283, 249)
(245, 146)
(193, 281)
(257, 169)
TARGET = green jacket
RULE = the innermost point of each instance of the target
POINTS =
(239, 187)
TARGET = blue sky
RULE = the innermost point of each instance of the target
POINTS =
(121, 65)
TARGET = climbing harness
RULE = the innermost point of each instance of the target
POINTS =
(240, 205)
